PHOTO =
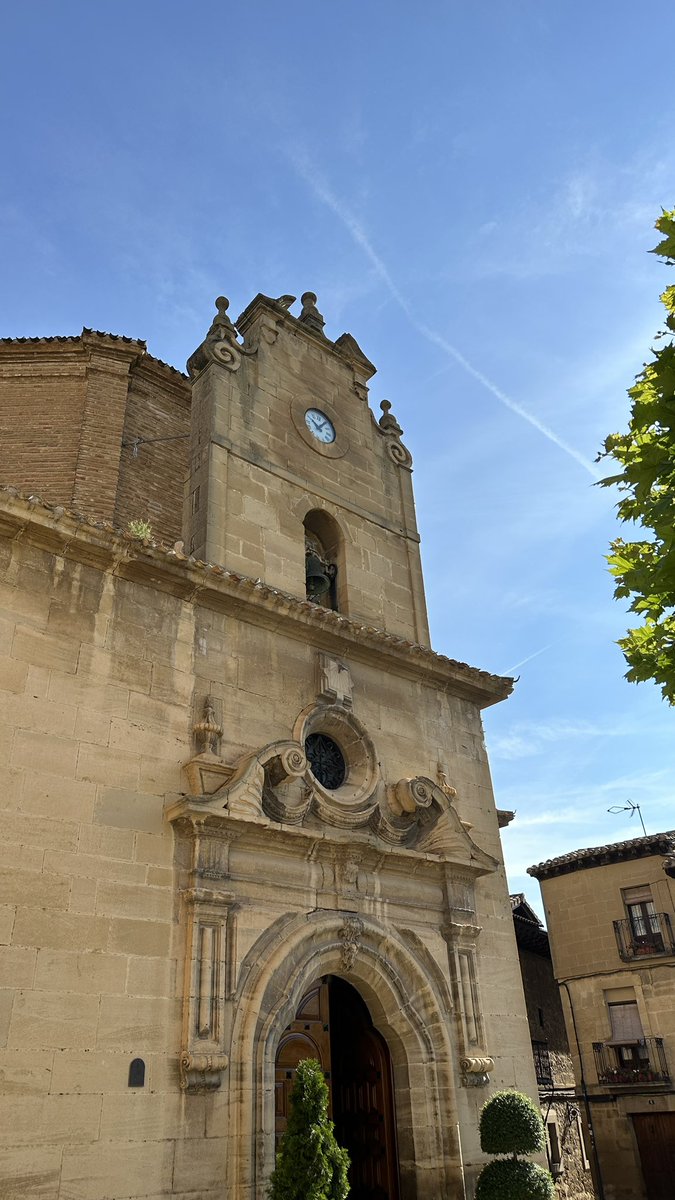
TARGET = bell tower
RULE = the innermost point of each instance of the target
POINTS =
(292, 479)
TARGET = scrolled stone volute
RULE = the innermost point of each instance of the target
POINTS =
(476, 1070)
(202, 1072)
(220, 344)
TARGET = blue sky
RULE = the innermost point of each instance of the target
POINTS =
(471, 190)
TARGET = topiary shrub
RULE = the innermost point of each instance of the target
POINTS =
(514, 1179)
(511, 1124)
(310, 1164)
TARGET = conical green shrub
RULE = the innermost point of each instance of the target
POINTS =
(310, 1164)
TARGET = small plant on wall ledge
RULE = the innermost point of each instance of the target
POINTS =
(510, 1124)
(310, 1164)
(140, 529)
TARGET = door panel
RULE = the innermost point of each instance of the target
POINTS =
(655, 1133)
(334, 1026)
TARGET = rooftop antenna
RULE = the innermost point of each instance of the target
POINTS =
(631, 808)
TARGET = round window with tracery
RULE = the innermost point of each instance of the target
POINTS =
(326, 760)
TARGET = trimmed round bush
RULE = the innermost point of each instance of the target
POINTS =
(511, 1124)
(514, 1179)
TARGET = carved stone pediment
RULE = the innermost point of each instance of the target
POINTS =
(419, 813)
(277, 784)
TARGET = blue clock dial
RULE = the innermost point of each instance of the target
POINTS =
(319, 425)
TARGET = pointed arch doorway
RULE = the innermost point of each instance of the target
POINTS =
(333, 1025)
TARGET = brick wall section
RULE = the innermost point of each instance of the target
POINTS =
(98, 459)
(151, 483)
(42, 395)
(66, 407)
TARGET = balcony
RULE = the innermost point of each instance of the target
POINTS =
(542, 1063)
(631, 1064)
(644, 938)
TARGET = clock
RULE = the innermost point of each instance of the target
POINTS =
(319, 425)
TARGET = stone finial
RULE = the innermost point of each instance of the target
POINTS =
(220, 344)
(208, 731)
(285, 301)
(391, 430)
(388, 421)
(310, 315)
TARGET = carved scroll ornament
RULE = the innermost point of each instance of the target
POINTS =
(220, 344)
(202, 1072)
(476, 1070)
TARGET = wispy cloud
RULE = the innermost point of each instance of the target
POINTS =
(322, 192)
(527, 739)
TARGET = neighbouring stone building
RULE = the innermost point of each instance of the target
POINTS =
(610, 913)
(247, 811)
(568, 1160)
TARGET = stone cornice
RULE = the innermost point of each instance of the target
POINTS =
(154, 564)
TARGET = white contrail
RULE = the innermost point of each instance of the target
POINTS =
(323, 193)
(526, 660)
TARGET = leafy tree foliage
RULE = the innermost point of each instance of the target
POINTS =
(511, 1124)
(645, 569)
(310, 1164)
(514, 1179)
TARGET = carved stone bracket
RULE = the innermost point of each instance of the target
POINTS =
(350, 935)
(476, 1070)
(202, 1072)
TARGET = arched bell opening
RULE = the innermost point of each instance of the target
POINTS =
(333, 1025)
(324, 560)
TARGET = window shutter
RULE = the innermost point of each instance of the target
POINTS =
(626, 1024)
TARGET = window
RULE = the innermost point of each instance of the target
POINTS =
(644, 922)
(554, 1155)
(625, 1022)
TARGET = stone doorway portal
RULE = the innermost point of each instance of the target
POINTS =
(333, 1025)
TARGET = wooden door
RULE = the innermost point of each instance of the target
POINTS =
(655, 1133)
(308, 1036)
(363, 1097)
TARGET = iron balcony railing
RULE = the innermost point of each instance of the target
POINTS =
(542, 1062)
(644, 938)
(631, 1064)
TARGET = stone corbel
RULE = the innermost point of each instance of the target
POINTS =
(476, 1070)
(202, 1072)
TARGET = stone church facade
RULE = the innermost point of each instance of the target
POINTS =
(247, 810)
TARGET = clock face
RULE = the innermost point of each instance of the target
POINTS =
(319, 425)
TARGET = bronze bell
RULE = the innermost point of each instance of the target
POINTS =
(316, 579)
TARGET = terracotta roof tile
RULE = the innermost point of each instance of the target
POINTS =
(92, 333)
(596, 856)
